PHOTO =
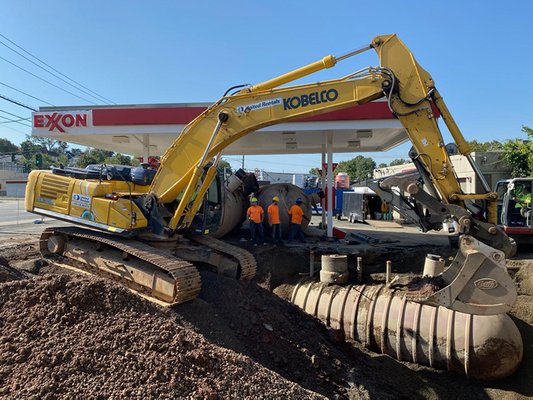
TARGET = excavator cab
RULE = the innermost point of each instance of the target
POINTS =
(514, 208)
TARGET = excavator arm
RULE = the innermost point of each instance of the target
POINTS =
(233, 117)
(407, 87)
(477, 281)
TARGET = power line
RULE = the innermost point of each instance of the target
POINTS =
(13, 120)
(15, 130)
(44, 80)
(29, 95)
(16, 120)
(59, 72)
(51, 73)
(13, 115)
(18, 103)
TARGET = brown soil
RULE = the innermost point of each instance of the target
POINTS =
(69, 336)
(76, 336)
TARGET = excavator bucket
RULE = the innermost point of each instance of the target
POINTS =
(476, 282)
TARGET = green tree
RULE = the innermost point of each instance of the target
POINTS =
(93, 156)
(52, 147)
(493, 145)
(398, 161)
(98, 156)
(29, 149)
(121, 159)
(382, 165)
(358, 168)
(519, 154)
(7, 147)
(315, 171)
(225, 164)
(76, 152)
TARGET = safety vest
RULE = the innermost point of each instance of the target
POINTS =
(273, 214)
(296, 214)
(255, 213)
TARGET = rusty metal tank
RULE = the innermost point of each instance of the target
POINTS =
(233, 212)
(287, 194)
(486, 347)
(224, 208)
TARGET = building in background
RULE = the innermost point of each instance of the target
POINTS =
(12, 178)
(301, 180)
(491, 164)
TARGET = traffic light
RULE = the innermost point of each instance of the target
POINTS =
(38, 160)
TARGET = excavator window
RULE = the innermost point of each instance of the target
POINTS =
(519, 212)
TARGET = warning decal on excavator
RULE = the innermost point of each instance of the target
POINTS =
(259, 105)
(82, 201)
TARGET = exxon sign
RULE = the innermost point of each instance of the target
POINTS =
(61, 121)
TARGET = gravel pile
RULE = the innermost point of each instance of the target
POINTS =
(73, 336)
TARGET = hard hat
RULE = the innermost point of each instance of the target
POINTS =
(254, 200)
(299, 200)
(275, 198)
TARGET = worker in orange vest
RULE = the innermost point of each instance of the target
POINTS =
(297, 214)
(255, 216)
(274, 221)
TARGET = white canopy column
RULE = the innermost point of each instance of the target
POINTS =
(330, 181)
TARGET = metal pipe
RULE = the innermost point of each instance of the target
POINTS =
(359, 269)
(326, 62)
(323, 184)
(484, 347)
(388, 267)
(330, 181)
(353, 53)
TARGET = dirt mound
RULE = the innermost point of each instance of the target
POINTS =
(73, 336)
(7, 273)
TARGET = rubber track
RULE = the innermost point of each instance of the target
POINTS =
(188, 281)
(246, 259)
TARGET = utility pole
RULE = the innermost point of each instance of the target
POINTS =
(242, 164)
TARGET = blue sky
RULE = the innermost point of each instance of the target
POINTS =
(161, 51)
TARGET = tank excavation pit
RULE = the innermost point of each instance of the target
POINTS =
(350, 298)
(486, 347)
(483, 347)
(59, 313)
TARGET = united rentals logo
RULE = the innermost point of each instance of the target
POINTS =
(60, 121)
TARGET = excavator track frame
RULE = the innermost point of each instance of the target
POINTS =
(246, 260)
(185, 275)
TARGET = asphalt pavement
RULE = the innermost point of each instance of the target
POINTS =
(12, 212)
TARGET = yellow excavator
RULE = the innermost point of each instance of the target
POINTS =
(132, 219)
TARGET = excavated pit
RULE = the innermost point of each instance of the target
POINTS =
(65, 335)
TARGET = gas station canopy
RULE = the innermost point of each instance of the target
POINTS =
(142, 130)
